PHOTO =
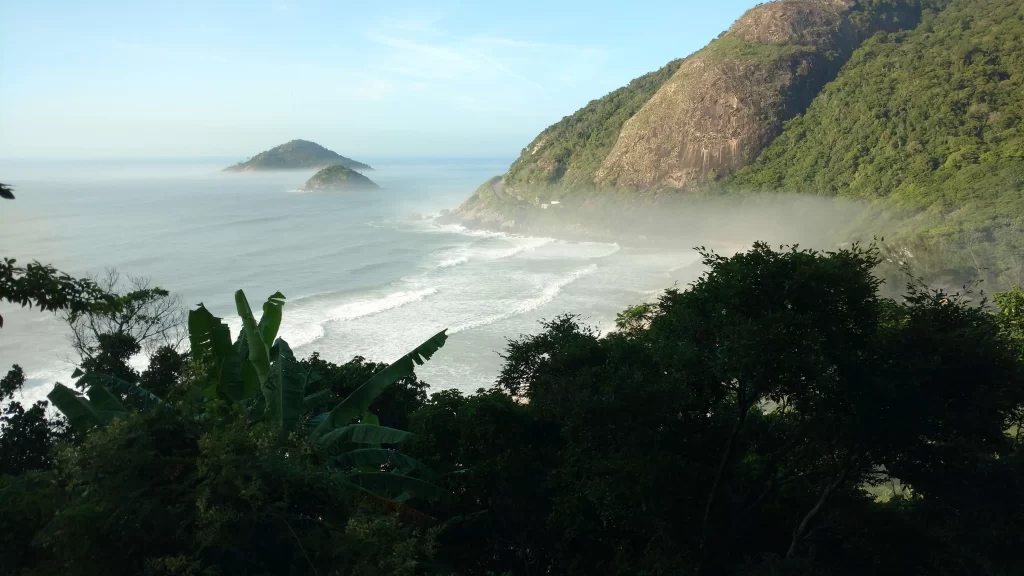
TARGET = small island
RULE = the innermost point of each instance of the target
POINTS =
(338, 177)
(296, 155)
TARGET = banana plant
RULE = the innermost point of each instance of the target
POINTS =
(259, 373)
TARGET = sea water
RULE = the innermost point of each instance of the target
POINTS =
(368, 273)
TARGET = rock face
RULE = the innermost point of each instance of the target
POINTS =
(338, 177)
(729, 100)
(570, 151)
(704, 117)
(296, 155)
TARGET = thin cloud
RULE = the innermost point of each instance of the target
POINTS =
(474, 58)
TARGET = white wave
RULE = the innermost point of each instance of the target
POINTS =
(460, 229)
(432, 226)
(451, 262)
(371, 306)
(302, 335)
(549, 293)
(463, 254)
(305, 326)
(528, 245)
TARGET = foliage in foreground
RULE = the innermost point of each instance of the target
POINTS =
(747, 425)
(777, 417)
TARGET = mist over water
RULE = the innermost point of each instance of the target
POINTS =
(364, 273)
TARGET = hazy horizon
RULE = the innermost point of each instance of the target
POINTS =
(118, 80)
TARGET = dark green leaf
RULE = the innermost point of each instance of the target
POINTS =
(361, 434)
(396, 462)
(359, 401)
(79, 411)
(259, 351)
(270, 322)
(393, 486)
(137, 395)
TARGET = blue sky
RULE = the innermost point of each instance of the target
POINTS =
(181, 78)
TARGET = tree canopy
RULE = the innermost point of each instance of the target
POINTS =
(777, 416)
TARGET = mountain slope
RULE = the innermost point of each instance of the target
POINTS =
(728, 101)
(929, 122)
(571, 150)
(293, 155)
(699, 118)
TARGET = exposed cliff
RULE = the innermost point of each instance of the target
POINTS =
(698, 119)
(570, 151)
(728, 101)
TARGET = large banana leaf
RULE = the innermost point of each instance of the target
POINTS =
(335, 440)
(103, 400)
(285, 389)
(396, 487)
(395, 461)
(259, 351)
(211, 339)
(351, 408)
(136, 395)
(81, 413)
(233, 383)
(270, 322)
(208, 335)
(317, 399)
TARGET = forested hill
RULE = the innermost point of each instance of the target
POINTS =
(571, 150)
(714, 110)
(295, 155)
(928, 121)
(923, 119)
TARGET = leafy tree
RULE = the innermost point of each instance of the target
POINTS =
(44, 287)
(259, 377)
(740, 432)
(154, 493)
(166, 369)
(635, 318)
(27, 437)
(392, 407)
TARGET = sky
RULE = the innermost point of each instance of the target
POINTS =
(155, 78)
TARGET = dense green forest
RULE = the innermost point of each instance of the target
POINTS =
(776, 417)
(296, 154)
(928, 123)
(923, 124)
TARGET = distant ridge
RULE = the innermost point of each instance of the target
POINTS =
(296, 155)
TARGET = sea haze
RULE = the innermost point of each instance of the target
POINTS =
(365, 273)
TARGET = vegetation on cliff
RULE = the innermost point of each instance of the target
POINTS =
(729, 100)
(924, 123)
(295, 155)
(930, 123)
(570, 151)
(338, 177)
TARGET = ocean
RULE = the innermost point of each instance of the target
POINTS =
(369, 273)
